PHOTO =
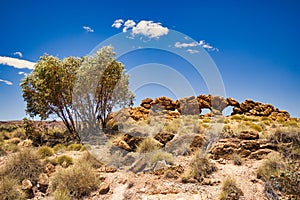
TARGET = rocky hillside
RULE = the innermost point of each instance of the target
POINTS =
(162, 149)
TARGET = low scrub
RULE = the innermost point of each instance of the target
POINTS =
(148, 145)
(75, 147)
(230, 190)
(76, 181)
(23, 165)
(161, 155)
(45, 151)
(59, 148)
(87, 157)
(237, 159)
(270, 167)
(10, 189)
(200, 167)
(64, 161)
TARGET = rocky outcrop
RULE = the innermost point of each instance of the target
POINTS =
(246, 144)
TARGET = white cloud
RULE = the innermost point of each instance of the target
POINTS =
(22, 73)
(16, 63)
(201, 43)
(88, 29)
(18, 53)
(128, 24)
(118, 23)
(6, 82)
(149, 29)
(192, 51)
(184, 45)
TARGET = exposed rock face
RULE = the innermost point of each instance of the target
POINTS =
(164, 137)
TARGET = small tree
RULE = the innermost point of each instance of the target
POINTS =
(48, 89)
(101, 85)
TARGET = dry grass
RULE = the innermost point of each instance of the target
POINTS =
(45, 151)
(23, 165)
(74, 147)
(77, 181)
(271, 166)
(237, 159)
(230, 190)
(161, 155)
(9, 189)
(59, 148)
(87, 157)
(148, 145)
(64, 161)
(199, 168)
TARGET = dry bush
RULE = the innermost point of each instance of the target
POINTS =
(9, 189)
(19, 133)
(45, 151)
(271, 166)
(77, 181)
(256, 127)
(230, 191)
(14, 141)
(200, 167)
(61, 194)
(87, 157)
(10, 147)
(237, 159)
(148, 145)
(74, 147)
(63, 160)
(23, 165)
(161, 155)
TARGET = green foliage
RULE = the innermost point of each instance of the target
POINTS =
(161, 155)
(148, 145)
(48, 88)
(77, 181)
(45, 151)
(230, 191)
(23, 165)
(256, 127)
(74, 147)
(63, 160)
(9, 189)
(102, 84)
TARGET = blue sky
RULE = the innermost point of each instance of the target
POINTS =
(254, 44)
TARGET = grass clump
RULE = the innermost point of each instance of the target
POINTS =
(61, 194)
(10, 147)
(23, 165)
(230, 190)
(45, 151)
(161, 155)
(74, 147)
(199, 168)
(59, 148)
(256, 127)
(64, 161)
(77, 181)
(270, 167)
(237, 159)
(148, 145)
(10, 189)
(87, 157)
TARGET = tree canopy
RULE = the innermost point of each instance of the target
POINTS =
(77, 89)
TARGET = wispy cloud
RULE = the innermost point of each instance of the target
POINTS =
(118, 23)
(18, 53)
(201, 43)
(22, 73)
(6, 82)
(88, 29)
(146, 28)
(16, 63)
(192, 51)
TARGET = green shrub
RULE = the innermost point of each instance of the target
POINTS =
(63, 160)
(9, 189)
(230, 191)
(23, 165)
(59, 148)
(74, 147)
(161, 155)
(77, 181)
(256, 127)
(200, 167)
(148, 145)
(45, 151)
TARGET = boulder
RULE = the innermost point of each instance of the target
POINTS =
(104, 188)
(248, 135)
(164, 137)
(27, 188)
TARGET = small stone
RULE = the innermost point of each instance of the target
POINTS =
(104, 188)
(160, 165)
